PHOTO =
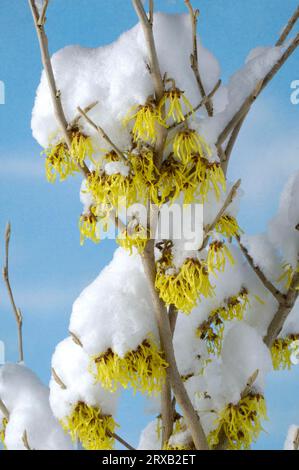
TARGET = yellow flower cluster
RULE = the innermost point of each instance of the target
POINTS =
(143, 369)
(111, 190)
(133, 237)
(64, 162)
(281, 352)
(228, 226)
(240, 423)
(212, 329)
(172, 103)
(2, 431)
(145, 118)
(287, 275)
(93, 429)
(88, 226)
(59, 162)
(217, 255)
(182, 287)
(188, 142)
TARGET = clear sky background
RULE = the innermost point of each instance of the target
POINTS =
(48, 267)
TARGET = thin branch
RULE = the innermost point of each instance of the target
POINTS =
(88, 108)
(42, 18)
(194, 56)
(167, 408)
(151, 12)
(279, 296)
(202, 103)
(229, 199)
(121, 440)
(154, 65)
(235, 124)
(191, 418)
(155, 71)
(16, 310)
(25, 441)
(58, 379)
(102, 133)
(4, 410)
(288, 28)
(282, 312)
(55, 93)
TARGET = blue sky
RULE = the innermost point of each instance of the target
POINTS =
(48, 266)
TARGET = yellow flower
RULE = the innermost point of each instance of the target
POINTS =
(236, 306)
(217, 255)
(93, 429)
(114, 190)
(228, 226)
(183, 287)
(281, 352)
(188, 142)
(211, 331)
(81, 147)
(171, 182)
(143, 369)
(2, 431)
(201, 176)
(133, 237)
(287, 275)
(174, 100)
(146, 118)
(145, 174)
(59, 161)
(240, 423)
(88, 226)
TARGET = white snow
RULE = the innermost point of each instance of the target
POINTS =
(27, 401)
(292, 438)
(115, 311)
(72, 365)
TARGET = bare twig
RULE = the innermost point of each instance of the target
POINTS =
(155, 72)
(55, 93)
(58, 379)
(202, 103)
(25, 441)
(102, 133)
(151, 12)
(121, 440)
(79, 115)
(235, 124)
(288, 28)
(268, 284)
(282, 313)
(16, 310)
(194, 57)
(167, 408)
(4, 410)
(42, 18)
(229, 199)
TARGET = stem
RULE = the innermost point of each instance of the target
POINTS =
(16, 310)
